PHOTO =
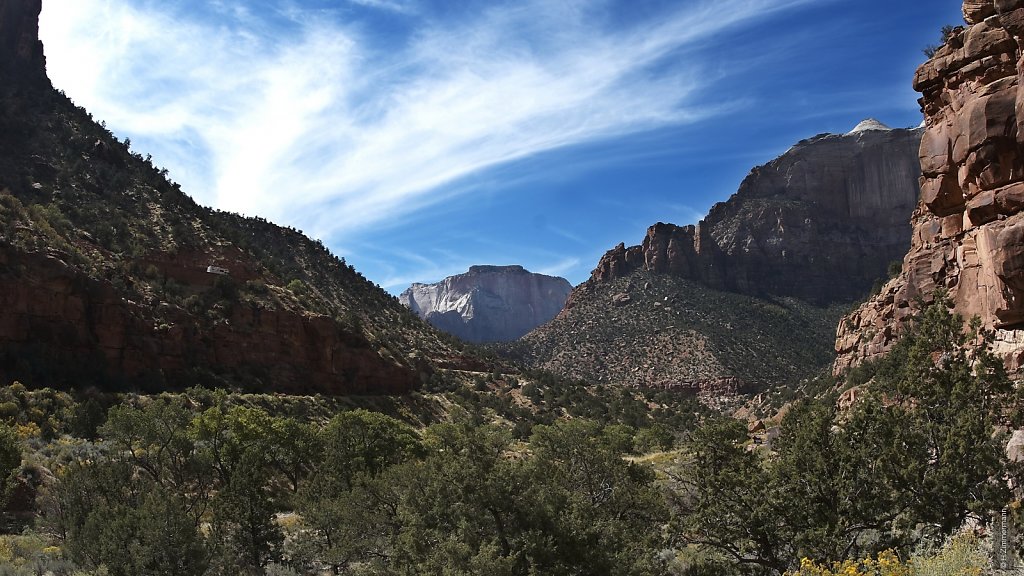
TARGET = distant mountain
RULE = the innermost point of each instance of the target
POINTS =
(489, 303)
(751, 295)
(111, 276)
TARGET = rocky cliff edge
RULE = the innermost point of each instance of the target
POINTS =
(821, 223)
(968, 228)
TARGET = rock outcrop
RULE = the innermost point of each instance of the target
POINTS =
(489, 303)
(968, 234)
(821, 223)
(20, 48)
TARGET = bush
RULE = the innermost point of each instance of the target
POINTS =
(655, 438)
(886, 564)
(912, 461)
(961, 556)
(947, 32)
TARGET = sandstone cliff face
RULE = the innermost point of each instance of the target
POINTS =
(820, 223)
(968, 227)
(749, 298)
(489, 303)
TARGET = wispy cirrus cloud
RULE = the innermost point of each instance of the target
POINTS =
(320, 122)
(405, 7)
(561, 267)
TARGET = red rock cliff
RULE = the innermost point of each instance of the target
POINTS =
(65, 323)
(969, 224)
(822, 222)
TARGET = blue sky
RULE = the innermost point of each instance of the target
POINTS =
(419, 137)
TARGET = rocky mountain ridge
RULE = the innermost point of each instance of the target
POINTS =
(488, 303)
(111, 276)
(968, 228)
(660, 331)
(821, 223)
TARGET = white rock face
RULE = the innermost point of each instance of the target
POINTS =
(489, 303)
(1015, 446)
(868, 124)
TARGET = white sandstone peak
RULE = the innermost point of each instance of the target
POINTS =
(868, 124)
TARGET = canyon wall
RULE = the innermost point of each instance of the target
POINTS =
(749, 298)
(64, 327)
(968, 228)
(821, 223)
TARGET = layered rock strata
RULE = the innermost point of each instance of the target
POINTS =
(489, 303)
(54, 315)
(742, 300)
(821, 223)
(968, 228)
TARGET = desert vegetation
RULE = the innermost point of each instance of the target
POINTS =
(528, 474)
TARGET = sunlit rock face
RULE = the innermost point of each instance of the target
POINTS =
(968, 226)
(821, 223)
(489, 303)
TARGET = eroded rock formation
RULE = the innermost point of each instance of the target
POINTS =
(20, 48)
(489, 303)
(968, 234)
(822, 222)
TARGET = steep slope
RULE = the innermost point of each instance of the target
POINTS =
(969, 225)
(661, 331)
(489, 303)
(104, 269)
(750, 296)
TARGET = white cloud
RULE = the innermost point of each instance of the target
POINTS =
(560, 268)
(314, 124)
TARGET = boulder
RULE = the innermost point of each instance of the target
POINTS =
(1015, 446)
(976, 11)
